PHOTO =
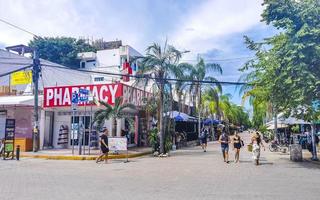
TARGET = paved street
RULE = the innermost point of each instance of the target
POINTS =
(187, 174)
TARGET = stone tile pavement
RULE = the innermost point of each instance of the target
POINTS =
(186, 174)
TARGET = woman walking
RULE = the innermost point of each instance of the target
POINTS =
(237, 144)
(203, 139)
(104, 146)
(256, 142)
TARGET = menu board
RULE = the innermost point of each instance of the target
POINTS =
(9, 138)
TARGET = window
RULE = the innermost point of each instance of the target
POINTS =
(83, 65)
(97, 79)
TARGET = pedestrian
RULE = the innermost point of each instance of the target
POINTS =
(237, 144)
(203, 139)
(256, 143)
(224, 140)
(103, 146)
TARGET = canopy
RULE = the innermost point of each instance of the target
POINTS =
(292, 120)
(211, 121)
(279, 125)
(180, 116)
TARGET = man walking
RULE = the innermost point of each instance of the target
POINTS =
(104, 147)
(224, 140)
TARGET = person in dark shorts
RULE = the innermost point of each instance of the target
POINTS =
(237, 144)
(203, 139)
(104, 146)
(224, 141)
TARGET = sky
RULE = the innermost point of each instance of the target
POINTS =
(212, 29)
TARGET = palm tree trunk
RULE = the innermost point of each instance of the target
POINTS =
(114, 126)
(161, 136)
(199, 109)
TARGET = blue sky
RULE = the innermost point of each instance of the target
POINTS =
(212, 28)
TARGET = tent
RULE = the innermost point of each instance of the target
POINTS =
(210, 121)
(180, 116)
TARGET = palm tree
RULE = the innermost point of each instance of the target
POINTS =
(201, 72)
(115, 112)
(161, 62)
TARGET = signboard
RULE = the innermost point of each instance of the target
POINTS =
(9, 136)
(117, 143)
(83, 95)
(62, 96)
(21, 78)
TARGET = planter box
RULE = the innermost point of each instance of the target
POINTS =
(25, 144)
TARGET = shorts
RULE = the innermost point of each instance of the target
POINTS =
(204, 141)
(237, 145)
(104, 150)
(225, 147)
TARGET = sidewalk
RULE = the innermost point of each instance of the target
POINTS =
(66, 154)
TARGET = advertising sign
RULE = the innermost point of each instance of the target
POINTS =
(117, 143)
(21, 77)
(63, 95)
(9, 136)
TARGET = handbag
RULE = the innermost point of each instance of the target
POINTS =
(242, 143)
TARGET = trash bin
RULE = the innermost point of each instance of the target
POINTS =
(295, 152)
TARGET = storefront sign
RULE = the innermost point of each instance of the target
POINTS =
(62, 96)
(66, 95)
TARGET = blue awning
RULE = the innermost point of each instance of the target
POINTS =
(211, 121)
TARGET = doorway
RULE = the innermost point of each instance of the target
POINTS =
(48, 130)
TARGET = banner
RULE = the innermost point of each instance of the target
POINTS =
(21, 78)
(117, 143)
(62, 95)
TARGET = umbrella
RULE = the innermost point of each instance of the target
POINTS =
(210, 121)
(179, 118)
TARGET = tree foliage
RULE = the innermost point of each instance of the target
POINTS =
(286, 70)
(61, 50)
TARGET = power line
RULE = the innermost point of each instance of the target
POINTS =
(20, 69)
(20, 28)
(220, 60)
(147, 76)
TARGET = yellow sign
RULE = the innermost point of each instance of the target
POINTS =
(21, 78)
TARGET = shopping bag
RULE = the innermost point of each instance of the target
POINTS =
(249, 146)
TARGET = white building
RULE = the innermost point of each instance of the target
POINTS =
(57, 81)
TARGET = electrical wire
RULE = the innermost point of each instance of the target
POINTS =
(20, 69)
(147, 76)
(20, 28)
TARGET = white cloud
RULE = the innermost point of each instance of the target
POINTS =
(212, 20)
(97, 19)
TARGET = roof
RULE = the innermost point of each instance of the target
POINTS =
(18, 100)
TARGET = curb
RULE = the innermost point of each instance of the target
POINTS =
(311, 161)
(64, 157)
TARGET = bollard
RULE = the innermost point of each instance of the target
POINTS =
(18, 152)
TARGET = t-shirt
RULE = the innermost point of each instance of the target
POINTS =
(224, 138)
(105, 139)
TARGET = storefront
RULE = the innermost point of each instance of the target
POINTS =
(19, 108)
(64, 125)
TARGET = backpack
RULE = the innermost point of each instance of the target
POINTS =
(202, 135)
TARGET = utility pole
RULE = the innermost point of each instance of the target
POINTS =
(35, 79)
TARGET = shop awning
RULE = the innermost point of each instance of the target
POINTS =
(180, 116)
(18, 100)
(211, 121)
